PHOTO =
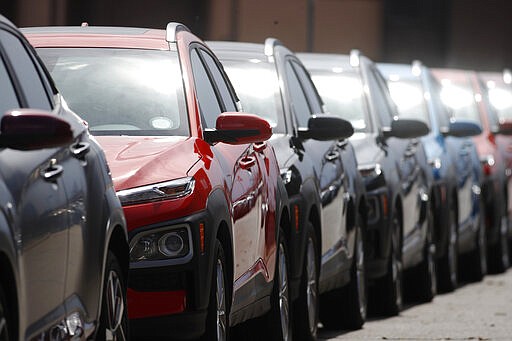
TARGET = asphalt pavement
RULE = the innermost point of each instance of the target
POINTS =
(475, 311)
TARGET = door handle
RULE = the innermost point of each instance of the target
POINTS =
(79, 149)
(342, 143)
(332, 156)
(259, 146)
(247, 162)
(52, 172)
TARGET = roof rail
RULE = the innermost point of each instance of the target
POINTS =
(270, 43)
(507, 76)
(416, 67)
(172, 29)
(355, 56)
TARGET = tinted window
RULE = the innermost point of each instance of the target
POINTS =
(26, 72)
(378, 92)
(227, 98)
(457, 93)
(8, 98)
(342, 93)
(409, 98)
(257, 85)
(121, 91)
(208, 102)
(312, 96)
(297, 97)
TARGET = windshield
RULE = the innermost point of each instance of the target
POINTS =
(500, 97)
(409, 98)
(458, 95)
(121, 91)
(257, 87)
(342, 93)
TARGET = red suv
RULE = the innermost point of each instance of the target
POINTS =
(201, 190)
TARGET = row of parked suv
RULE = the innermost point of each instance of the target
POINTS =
(195, 216)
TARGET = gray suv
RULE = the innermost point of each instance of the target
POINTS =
(63, 238)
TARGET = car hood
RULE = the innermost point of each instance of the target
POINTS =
(141, 160)
(367, 151)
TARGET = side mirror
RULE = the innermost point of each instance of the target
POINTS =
(238, 128)
(463, 128)
(28, 129)
(505, 127)
(326, 127)
(406, 129)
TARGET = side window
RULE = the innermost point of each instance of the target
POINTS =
(312, 95)
(26, 72)
(381, 97)
(440, 108)
(298, 99)
(8, 98)
(207, 99)
(220, 81)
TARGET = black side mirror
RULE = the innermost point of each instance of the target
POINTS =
(406, 129)
(326, 127)
(505, 128)
(28, 129)
(462, 128)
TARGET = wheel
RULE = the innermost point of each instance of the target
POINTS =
(114, 318)
(425, 277)
(306, 306)
(5, 321)
(448, 265)
(477, 259)
(345, 308)
(278, 319)
(499, 254)
(217, 320)
(389, 288)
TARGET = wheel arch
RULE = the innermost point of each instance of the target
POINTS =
(8, 283)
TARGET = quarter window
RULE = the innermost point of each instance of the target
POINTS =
(298, 101)
(220, 81)
(26, 72)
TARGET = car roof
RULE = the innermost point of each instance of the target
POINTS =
(322, 61)
(97, 36)
(227, 49)
(404, 71)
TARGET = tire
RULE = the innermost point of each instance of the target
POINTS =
(5, 320)
(217, 320)
(279, 318)
(448, 265)
(498, 261)
(306, 306)
(346, 308)
(390, 287)
(425, 276)
(114, 318)
(477, 258)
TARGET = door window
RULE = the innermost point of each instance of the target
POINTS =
(310, 90)
(220, 81)
(298, 101)
(8, 98)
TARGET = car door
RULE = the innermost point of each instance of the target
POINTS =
(35, 180)
(405, 155)
(327, 162)
(240, 166)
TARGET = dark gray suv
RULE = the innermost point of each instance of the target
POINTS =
(63, 239)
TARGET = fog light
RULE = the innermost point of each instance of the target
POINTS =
(145, 248)
(171, 244)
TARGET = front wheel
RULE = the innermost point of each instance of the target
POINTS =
(448, 268)
(306, 306)
(5, 323)
(217, 320)
(114, 318)
(390, 287)
(278, 319)
(499, 254)
(477, 260)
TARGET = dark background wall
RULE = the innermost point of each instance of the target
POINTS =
(473, 34)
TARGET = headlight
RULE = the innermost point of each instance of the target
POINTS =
(164, 243)
(157, 192)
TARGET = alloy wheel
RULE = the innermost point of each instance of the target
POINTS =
(311, 286)
(284, 305)
(220, 295)
(452, 254)
(504, 243)
(115, 308)
(360, 274)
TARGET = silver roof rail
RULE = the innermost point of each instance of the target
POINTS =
(507, 76)
(416, 67)
(270, 43)
(355, 56)
(172, 29)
